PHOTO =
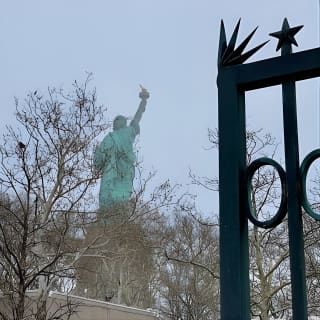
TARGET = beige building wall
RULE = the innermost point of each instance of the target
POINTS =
(88, 309)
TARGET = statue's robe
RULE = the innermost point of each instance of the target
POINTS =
(115, 158)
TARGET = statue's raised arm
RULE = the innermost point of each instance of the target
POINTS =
(144, 95)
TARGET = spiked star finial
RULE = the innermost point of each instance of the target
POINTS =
(286, 34)
(227, 54)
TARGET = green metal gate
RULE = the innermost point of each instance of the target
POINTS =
(234, 79)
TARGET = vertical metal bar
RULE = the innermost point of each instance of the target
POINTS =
(295, 225)
(296, 242)
(234, 257)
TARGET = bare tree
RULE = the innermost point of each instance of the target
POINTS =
(46, 183)
(190, 273)
(121, 265)
(269, 249)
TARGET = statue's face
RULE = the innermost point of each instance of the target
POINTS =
(119, 122)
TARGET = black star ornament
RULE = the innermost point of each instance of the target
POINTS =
(286, 34)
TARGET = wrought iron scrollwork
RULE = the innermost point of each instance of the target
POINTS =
(282, 210)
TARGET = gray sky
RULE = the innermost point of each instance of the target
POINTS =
(170, 46)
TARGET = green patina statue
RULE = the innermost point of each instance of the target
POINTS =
(115, 158)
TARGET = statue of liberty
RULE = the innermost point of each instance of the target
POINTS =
(115, 158)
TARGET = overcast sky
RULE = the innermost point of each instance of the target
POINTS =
(170, 46)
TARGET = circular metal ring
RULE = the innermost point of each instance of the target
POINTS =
(280, 214)
(306, 163)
